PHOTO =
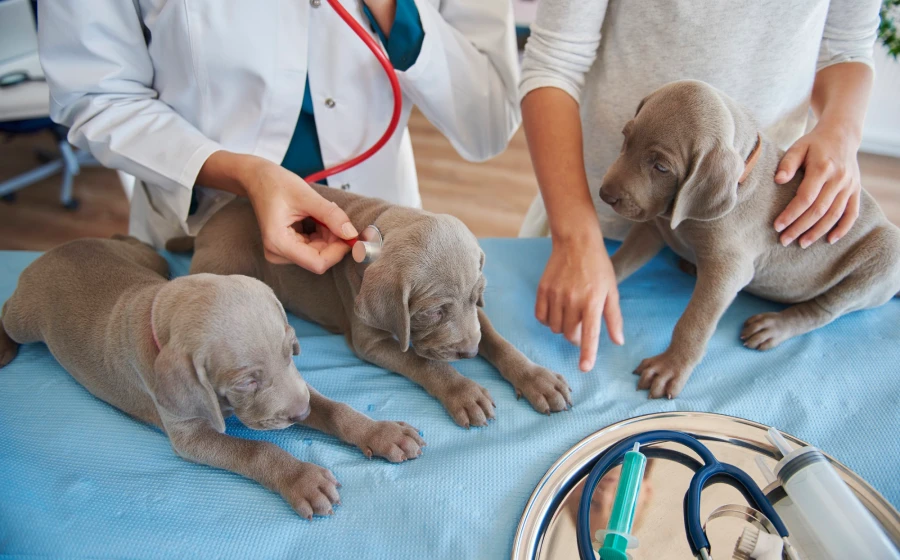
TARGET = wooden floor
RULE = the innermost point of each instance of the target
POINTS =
(491, 198)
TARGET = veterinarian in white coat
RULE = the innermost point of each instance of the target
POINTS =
(220, 93)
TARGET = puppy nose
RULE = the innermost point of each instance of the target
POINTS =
(300, 415)
(609, 195)
(467, 353)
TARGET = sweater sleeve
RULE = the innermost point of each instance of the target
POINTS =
(851, 28)
(562, 46)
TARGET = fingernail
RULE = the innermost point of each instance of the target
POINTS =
(786, 242)
(833, 240)
(779, 227)
(780, 175)
(804, 243)
(348, 230)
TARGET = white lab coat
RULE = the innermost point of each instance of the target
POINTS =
(230, 74)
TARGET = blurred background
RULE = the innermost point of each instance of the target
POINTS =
(52, 193)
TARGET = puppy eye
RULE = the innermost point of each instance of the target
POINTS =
(660, 167)
(246, 385)
(433, 315)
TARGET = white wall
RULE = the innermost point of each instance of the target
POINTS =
(881, 134)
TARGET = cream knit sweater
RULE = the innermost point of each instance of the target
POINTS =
(608, 55)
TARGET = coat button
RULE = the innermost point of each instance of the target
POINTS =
(329, 103)
(345, 187)
(315, 3)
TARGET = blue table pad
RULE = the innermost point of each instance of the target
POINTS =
(81, 479)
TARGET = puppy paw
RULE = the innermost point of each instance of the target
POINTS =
(663, 375)
(8, 348)
(545, 390)
(310, 490)
(394, 441)
(765, 331)
(468, 403)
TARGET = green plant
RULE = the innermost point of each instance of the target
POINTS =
(887, 29)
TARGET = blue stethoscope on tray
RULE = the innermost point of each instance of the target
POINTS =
(693, 526)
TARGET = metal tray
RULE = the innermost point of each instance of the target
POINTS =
(547, 528)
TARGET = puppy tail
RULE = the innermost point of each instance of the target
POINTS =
(180, 244)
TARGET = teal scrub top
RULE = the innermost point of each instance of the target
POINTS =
(304, 155)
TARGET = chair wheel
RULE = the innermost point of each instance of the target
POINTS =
(11, 197)
(72, 205)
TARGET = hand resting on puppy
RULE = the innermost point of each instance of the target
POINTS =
(697, 175)
(183, 355)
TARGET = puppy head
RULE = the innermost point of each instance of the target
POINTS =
(426, 287)
(226, 347)
(678, 157)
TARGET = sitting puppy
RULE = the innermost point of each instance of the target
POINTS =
(698, 176)
(424, 292)
(182, 355)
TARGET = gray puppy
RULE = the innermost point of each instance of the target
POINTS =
(185, 354)
(425, 292)
(698, 176)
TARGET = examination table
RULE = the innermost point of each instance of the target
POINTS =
(81, 479)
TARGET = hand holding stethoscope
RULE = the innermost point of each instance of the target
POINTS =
(281, 199)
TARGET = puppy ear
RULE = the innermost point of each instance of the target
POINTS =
(292, 338)
(480, 302)
(641, 105)
(383, 302)
(710, 189)
(181, 388)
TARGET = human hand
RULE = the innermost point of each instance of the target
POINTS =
(578, 288)
(280, 199)
(828, 197)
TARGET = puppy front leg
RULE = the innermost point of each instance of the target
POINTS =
(642, 243)
(546, 391)
(394, 441)
(467, 402)
(717, 286)
(309, 489)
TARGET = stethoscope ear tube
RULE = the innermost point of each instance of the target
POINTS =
(693, 526)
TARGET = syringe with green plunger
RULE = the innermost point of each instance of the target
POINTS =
(617, 537)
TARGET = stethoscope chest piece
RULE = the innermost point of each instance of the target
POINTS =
(367, 249)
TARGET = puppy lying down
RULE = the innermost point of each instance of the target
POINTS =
(412, 311)
(697, 175)
(185, 354)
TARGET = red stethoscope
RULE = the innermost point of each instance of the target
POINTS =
(366, 247)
